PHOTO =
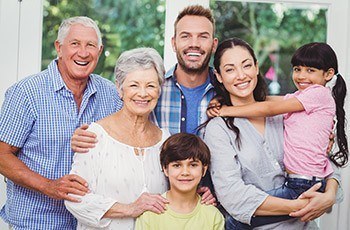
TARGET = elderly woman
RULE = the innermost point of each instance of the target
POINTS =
(122, 170)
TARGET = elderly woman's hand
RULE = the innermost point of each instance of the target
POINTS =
(82, 140)
(148, 202)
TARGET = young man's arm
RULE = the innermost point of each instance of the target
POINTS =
(83, 140)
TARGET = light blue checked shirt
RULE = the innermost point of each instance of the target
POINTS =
(39, 115)
(170, 111)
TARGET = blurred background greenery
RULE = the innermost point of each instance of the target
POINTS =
(275, 31)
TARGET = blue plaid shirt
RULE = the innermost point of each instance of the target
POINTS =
(39, 115)
(170, 111)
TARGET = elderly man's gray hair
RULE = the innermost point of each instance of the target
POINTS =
(85, 21)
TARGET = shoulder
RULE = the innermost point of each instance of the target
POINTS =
(33, 81)
(210, 209)
(316, 96)
(101, 82)
(165, 133)
(215, 124)
(212, 214)
(97, 129)
(29, 87)
(317, 89)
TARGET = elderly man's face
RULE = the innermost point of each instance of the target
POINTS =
(79, 53)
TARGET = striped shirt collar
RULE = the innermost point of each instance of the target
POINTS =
(59, 83)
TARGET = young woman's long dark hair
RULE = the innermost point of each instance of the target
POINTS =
(222, 94)
(321, 56)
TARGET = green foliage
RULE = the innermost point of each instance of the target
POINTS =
(271, 29)
(124, 25)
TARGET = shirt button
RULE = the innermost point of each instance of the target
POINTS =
(183, 119)
(182, 97)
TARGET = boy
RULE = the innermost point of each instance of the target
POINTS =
(184, 159)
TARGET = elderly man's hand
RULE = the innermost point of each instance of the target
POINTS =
(60, 188)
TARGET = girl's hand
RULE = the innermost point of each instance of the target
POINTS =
(213, 109)
(147, 202)
(318, 205)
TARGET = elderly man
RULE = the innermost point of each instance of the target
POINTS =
(37, 120)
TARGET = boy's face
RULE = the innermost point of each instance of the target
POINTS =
(185, 175)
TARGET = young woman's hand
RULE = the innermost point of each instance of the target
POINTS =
(207, 196)
(318, 205)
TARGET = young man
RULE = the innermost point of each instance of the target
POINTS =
(184, 159)
(37, 120)
(187, 90)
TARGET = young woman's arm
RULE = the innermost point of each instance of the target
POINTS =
(263, 109)
(277, 206)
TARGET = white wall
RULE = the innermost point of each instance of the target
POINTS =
(20, 45)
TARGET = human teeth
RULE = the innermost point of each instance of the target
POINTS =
(81, 62)
(243, 84)
(194, 54)
(141, 102)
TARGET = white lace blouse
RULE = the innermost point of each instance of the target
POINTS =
(114, 174)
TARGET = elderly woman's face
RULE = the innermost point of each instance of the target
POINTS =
(140, 91)
(238, 74)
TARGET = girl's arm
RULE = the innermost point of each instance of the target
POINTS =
(274, 98)
(263, 109)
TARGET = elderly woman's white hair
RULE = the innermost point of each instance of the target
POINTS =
(85, 21)
(136, 59)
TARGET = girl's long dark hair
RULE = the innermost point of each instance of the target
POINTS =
(222, 95)
(321, 56)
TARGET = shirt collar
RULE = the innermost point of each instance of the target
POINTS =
(58, 82)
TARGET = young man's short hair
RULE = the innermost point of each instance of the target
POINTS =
(196, 10)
